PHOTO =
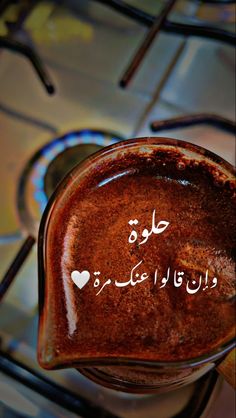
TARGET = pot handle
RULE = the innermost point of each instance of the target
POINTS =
(227, 368)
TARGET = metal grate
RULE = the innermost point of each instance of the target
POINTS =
(10, 366)
(8, 42)
(157, 24)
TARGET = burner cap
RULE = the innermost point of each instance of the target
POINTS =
(64, 162)
(47, 168)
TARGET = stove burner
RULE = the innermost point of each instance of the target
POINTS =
(64, 162)
(47, 168)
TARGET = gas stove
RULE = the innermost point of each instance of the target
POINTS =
(75, 77)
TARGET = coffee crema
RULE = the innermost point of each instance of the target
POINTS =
(89, 231)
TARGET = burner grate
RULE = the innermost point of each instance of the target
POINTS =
(194, 120)
(46, 168)
(50, 390)
(162, 23)
(140, 54)
(8, 42)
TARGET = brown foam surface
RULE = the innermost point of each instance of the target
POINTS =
(90, 232)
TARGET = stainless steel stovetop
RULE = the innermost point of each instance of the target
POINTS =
(85, 48)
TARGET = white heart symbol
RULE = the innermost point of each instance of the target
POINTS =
(80, 279)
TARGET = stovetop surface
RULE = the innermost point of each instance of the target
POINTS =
(86, 48)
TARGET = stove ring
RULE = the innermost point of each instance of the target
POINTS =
(58, 157)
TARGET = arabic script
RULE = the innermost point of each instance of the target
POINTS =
(138, 275)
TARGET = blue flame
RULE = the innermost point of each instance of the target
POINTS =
(54, 148)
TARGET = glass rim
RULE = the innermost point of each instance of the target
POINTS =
(214, 354)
